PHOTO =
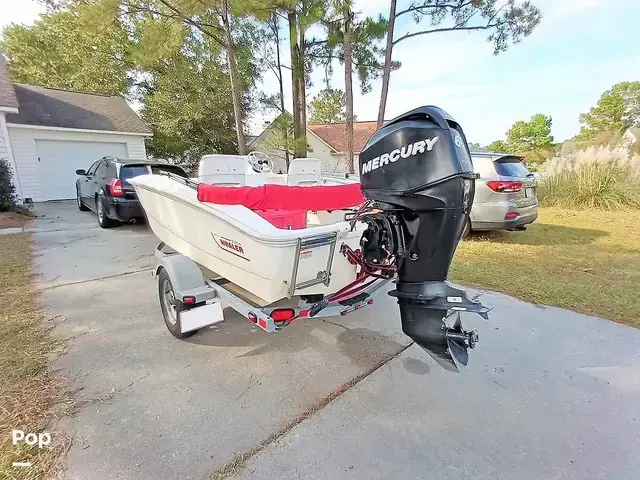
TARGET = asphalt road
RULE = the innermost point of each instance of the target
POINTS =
(548, 394)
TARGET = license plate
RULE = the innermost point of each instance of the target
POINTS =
(200, 317)
(528, 193)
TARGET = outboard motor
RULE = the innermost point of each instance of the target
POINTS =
(417, 169)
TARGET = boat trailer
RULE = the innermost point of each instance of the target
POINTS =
(192, 298)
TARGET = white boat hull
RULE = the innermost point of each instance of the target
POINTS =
(242, 247)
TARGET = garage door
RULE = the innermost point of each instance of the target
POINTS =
(59, 160)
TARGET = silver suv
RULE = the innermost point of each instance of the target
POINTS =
(505, 196)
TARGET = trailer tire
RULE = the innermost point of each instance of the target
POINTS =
(466, 230)
(171, 306)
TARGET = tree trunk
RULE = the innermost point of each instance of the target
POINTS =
(299, 139)
(302, 92)
(285, 134)
(348, 82)
(386, 73)
(233, 77)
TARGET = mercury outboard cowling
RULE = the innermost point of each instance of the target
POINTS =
(418, 170)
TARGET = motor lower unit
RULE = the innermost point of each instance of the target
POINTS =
(417, 174)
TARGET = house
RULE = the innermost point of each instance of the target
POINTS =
(630, 137)
(326, 142)
(47, 134)
(569, 147)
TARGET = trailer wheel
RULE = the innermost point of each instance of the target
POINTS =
(466, 230)
(171, 306)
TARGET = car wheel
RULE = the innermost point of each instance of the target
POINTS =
(103, 220)
(466, 230)
(81, 206)
(171, 306)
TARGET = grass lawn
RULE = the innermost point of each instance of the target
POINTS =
(588, 261)
(30, 397)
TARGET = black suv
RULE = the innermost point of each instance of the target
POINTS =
(104, 188)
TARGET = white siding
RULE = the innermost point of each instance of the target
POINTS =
(25, 153)
(261, 145)
(331, 162)
(337, 163)
(135, 147)
(4, 151)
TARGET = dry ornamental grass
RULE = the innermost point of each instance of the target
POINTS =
(600, 178)
(31, 398)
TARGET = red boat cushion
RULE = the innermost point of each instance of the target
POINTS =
(282, 197)
(285, 219)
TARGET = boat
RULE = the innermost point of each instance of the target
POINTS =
(273, 253)
(332, 240)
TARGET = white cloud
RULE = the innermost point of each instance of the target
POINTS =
(19, 11)
(554, 9)
(371, 7)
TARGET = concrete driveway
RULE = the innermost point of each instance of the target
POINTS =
(548, 394)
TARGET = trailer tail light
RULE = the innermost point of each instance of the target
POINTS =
(115, 187)
(189, 300)
(504, 187)
(283, 314)
(253, 317)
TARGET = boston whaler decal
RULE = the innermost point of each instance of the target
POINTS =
(230, 246)
(405, 151)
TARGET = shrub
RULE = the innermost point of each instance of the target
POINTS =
(8, 198)
(592, 178)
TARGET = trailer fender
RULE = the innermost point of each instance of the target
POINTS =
(186, 277)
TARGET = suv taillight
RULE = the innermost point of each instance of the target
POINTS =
(504, 187)
(115, 186)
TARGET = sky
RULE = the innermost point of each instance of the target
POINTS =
(580, 49)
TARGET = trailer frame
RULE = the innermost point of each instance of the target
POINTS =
(192, 300)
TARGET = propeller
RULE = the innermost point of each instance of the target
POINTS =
(449, 346)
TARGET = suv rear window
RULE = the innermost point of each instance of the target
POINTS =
(510, 168)
(127, 172)
(155, 169)
(130, 171)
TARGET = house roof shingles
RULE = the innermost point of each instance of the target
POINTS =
(334, 134)
(7, 94)
(60, 108)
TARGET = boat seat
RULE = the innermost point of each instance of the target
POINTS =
(223, 170)
(304, 171)
(285, 219)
